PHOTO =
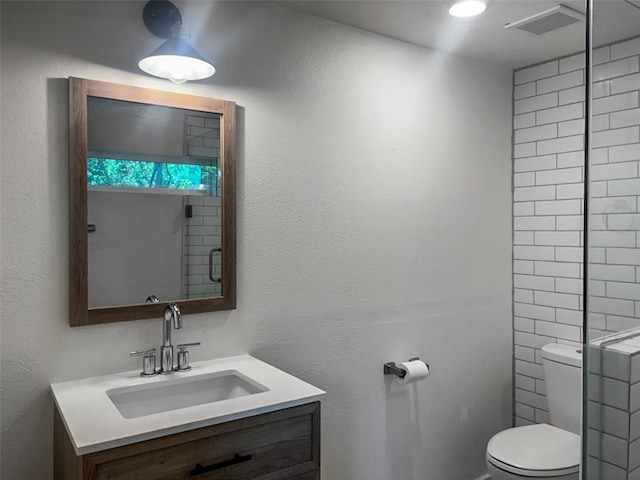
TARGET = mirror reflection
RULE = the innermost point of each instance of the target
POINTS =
(154, 199)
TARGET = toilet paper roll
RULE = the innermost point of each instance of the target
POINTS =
(416, 370)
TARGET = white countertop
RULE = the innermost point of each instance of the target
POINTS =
(94, 423)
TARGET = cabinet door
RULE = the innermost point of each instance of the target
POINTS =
(280, 445)
(238, 455)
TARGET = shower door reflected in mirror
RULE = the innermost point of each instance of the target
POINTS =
(153, 200)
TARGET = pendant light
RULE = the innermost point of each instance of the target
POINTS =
(175, 59)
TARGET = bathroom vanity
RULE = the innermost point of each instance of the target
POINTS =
(278, 445)
(234, 418)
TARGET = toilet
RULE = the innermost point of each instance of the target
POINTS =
(545, 451)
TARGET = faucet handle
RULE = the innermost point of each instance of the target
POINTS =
(148, 362)
(183, 356)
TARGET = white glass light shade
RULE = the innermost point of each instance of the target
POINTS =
(178, 61)
(467, 8)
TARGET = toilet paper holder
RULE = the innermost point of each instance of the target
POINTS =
(390, 368)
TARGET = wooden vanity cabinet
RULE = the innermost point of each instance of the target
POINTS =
(281, 445)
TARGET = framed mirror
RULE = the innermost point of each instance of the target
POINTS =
(152, 203)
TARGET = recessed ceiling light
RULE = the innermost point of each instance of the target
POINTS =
(467, 8)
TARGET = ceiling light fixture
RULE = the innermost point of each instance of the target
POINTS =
(175, 59)
(467, 8)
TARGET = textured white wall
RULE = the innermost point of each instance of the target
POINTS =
(373, 221)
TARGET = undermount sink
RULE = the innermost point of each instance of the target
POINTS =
(141, 400)
(105, 412)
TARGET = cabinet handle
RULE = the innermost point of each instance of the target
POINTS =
(199, 469)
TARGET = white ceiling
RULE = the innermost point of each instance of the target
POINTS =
(427, 23)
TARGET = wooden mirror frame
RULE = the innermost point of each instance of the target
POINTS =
(79, 311)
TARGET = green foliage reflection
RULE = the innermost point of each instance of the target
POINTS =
(132, 173)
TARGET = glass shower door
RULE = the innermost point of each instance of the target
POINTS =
(612, 377)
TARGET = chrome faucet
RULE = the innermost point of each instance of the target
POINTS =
(171, 313)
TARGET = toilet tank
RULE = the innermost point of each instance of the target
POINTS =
(562, 374)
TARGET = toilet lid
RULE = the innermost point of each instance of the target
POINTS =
(535, 448)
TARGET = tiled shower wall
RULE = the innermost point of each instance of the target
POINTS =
(548, 192)
(203, 230)
(614, 407)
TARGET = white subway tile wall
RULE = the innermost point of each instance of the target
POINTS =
(548, 224)
(202, 233)
(203, 230)
(614, 406)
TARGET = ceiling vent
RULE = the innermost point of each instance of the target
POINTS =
(547, 21)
